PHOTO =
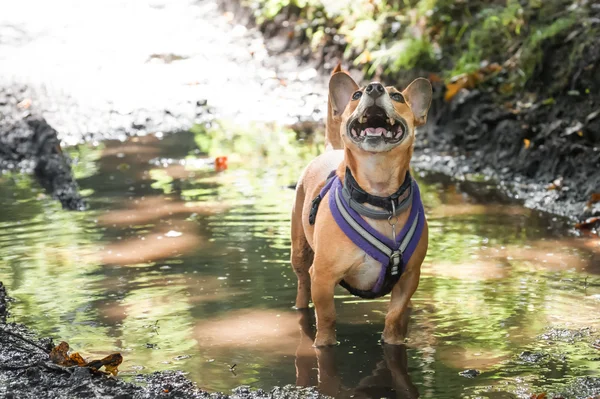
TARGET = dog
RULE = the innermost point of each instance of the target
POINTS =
(357, 218)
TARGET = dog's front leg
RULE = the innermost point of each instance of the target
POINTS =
(396, 325)
(322, 287)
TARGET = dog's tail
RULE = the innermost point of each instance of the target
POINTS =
(332, 125)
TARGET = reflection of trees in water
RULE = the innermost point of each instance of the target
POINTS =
(218, 286)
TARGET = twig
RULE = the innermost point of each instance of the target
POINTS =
(12, 334)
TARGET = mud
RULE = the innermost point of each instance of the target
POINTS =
(26, 372)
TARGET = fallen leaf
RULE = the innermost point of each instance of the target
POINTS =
(539, 396)
(588, 224)
(527, 143)
(110, 363)
(556, 184)
(464, 81)
(435, 78)
(593, 199)
(59, 355)
(469, 80)
(573, 129)
(221, 163)
(77, 360)
(24, 104)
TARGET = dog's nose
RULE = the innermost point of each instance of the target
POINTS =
(374, 89)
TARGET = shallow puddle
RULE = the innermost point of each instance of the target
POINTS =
(179, 266)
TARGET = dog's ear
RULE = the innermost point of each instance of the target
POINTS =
(418, 96)
(341, 88)
(338, 68)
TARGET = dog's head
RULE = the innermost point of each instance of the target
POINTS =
(378, 119)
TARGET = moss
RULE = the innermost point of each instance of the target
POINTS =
(531, 52)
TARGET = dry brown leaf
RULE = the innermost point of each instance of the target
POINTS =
(588, 223)
(77, 360)
(470, 80)
(593, 199)
(464, 81)
(24, 104)
(59, 355)
(435, 78)
(110, 363)
(556, 184)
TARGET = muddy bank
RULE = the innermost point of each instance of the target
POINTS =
(531, 122)
(29, 144)
(26, 372)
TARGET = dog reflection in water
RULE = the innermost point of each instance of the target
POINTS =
(389, 379)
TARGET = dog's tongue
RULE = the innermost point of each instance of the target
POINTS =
(372, 131)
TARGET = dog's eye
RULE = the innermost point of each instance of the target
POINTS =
(357, 95)
(397, 97)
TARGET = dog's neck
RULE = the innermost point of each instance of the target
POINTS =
(378, 174)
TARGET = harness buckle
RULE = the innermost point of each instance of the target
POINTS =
(395, 260)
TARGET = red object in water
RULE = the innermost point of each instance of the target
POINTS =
(220, 163)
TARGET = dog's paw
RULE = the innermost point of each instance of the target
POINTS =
(322, 341)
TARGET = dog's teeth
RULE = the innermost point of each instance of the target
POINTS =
(388, 134)
(392, 121)
(362, 133)
(362, 119)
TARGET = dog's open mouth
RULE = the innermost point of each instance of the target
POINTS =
(374, 124)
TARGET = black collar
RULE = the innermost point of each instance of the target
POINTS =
(361, 196)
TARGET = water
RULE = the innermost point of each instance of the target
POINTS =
(178, 266)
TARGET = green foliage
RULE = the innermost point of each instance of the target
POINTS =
(489, 34)
(531, 55)
(442, 36)
(403, 55)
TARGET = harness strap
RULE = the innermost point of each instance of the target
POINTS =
(392, 254)
(314, 205)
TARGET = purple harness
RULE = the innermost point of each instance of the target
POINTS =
(393, 256)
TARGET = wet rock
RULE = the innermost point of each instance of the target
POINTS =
(532, 357)
(470, 373)
(566, 335)
(28, 143)
(3, 304)
(587, 387)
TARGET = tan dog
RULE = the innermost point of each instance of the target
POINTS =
(322, 255)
